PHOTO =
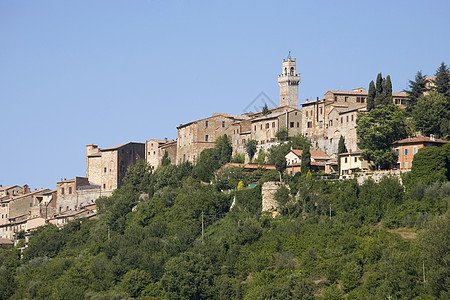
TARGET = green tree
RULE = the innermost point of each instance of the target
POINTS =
(139, 177)
(432, 114)
(165, 159)
(341, 149)
(371, 96)
(280, 163)
(382, 94)
(250, 148)
(134, 282)
(388, 91)
(188, 276)
(282, 197)
(206, 165)
(261, 159)
(431, 165)
(223, 149)
(228, 178)
(377, 130)
(442, 80)
(238, 158)
(265, 111)
(417, 88)
(282, 135)
(306, 160)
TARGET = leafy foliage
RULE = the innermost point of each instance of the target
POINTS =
(250, 148)
(377, 130)
(416, 89)
(432, 114)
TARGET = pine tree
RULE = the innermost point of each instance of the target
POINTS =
(265, 111)
(417, 88)
(371, 96)
(442, 80)
(341, 149)
(306, 160)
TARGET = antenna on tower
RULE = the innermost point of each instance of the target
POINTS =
(289, 55)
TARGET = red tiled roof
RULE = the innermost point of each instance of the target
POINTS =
(419, 140)
(314, 153)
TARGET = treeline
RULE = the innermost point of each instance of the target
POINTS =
(332, 240)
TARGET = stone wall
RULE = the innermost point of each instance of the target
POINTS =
(79, 199)
(375, 175)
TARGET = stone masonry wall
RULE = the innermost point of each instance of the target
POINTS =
(268, 197)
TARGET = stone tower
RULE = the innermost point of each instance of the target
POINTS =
(288, 82)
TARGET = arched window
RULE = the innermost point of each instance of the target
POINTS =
(292, 71)
(285, 71)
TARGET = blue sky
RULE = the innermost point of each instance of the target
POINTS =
(108, 72)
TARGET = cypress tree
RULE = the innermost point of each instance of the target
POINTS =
(442, 80)
(388, 91)
(341, 149)
(306, 160)
(165, 159)
(371, 96)
(417, 88)
(379, 90)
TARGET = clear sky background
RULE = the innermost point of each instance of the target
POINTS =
(108, 72)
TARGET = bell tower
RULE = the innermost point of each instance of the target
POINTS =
(288, 82)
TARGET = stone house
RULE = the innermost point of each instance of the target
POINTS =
(171, 148)
(13, 190)
(406, 149)
(196, 136)
(154, 151)
(20, 206)
(74, 194)
(319, 159)
(107, 167)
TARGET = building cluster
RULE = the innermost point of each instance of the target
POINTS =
(323, 121)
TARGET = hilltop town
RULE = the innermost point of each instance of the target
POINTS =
(323, 121)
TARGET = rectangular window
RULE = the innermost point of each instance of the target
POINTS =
(342, 120)
(352, 118)
(292, 124)
(321, 110)
(358, 99)
(267, 125)
(346, 99)
(104, 170)
(309, 125)
(347, 119)
(356, 159)
(223, 123)
(206, 123)
(406, 165)
(405, 151)
(415, 150)
(306, 114)
(70, 190)
(62, 191)
(298, 124)
(255, 127)
(104, 186)
(206, 138)
(335, 98)
(273, 124)
(345, 160)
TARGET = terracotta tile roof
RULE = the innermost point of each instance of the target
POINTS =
(317, 154)
(7, 187)
(4, 241)
(419, 140)
(350, 153)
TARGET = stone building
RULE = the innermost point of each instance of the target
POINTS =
(155, 149)
(74, 194)
(13, 190)
(325, 120)
(107, 167)
(319, 159)
(196, 136)
(20, 206)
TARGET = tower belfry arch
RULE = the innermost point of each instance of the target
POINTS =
(288, 82)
